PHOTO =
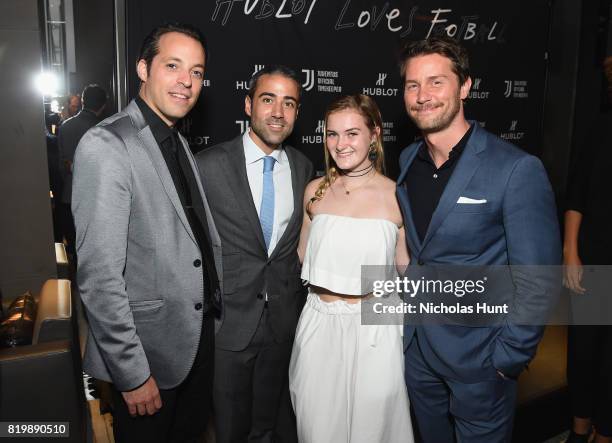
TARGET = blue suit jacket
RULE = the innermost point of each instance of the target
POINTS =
(517, 225)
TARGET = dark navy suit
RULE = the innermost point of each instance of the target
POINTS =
(451, 370)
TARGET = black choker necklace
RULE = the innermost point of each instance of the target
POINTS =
(359, 173)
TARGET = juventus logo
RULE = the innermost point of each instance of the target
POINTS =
(513, 125)
(476, 84)
(508, 88)
(382, 76)
(310, 79)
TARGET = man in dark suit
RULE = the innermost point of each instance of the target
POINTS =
(255, 186)
(68, 137)
(148, 250)
(470, 198)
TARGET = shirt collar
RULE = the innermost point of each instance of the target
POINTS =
(161, 131)
(454, 153)
(88, 112)
(253, 153)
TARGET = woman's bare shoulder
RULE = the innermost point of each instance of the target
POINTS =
(313, 184)
(388, 183)
(389, 200)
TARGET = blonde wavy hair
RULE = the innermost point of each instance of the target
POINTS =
(368, 109)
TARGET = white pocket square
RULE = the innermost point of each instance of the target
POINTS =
(470, 201)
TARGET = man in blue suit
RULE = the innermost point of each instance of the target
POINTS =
(469, 198)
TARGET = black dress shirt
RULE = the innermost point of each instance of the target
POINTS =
(425, 183)
(187, 189)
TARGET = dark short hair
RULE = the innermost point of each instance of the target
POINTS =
(442, 45)
(93, 97)
(285, 71)
(150, 45)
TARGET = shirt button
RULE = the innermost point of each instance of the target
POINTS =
(435, 176)
(198, 306)
(197, 263)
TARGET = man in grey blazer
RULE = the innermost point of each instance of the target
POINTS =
(147, 249)
(255, 187)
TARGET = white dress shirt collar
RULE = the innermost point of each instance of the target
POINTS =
(253, 153)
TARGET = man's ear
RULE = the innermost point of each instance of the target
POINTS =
(247, 105)
(465, 88)
(141, 70)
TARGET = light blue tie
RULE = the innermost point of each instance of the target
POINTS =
(266, 210)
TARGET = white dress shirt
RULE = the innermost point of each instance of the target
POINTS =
(283, 190)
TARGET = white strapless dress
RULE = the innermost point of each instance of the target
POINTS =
(346, 379)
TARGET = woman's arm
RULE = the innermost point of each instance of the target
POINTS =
(402, 256)
(572, 271)
(308, 194)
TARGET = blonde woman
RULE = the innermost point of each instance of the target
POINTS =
(346, 379)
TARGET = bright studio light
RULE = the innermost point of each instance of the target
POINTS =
(47, 83)
(55, 106)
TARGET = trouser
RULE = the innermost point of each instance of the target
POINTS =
(449, 410)
(185, 409)
(589, 369)
(251, 394)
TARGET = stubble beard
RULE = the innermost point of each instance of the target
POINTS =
(440, 122)
(271, 140)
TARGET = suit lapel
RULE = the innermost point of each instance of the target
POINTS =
(296, 179)
(236, 174)
(402, 195)
(463, 173)
(159, 163)
(214, 234)
(147, 141)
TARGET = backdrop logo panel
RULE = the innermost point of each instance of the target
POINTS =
(315, 138)
(516, 89)
(388, 134)
(243, 125)
(243, 85)
(261, 10)
(379, 89)
(514, 132)
(348, 46)
(478, 91)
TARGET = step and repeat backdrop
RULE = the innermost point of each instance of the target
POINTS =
(350, 46)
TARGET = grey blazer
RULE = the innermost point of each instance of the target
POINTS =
(136, 251)
(68, 136)
(249, 272)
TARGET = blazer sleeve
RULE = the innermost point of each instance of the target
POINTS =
(102, 192)
(534, 248)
